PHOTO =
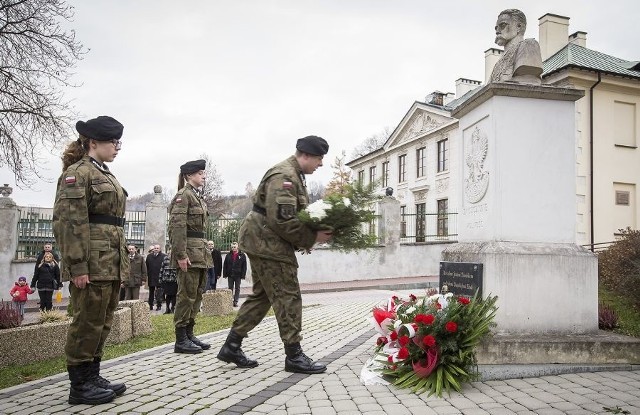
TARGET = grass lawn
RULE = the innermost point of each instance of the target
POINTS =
(628, 313)
(163, 333)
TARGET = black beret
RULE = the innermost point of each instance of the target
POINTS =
(102, 128)
(193, 166)
(312, 144)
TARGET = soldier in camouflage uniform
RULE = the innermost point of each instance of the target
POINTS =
(188, 219)
(270, 235)
(88, 220)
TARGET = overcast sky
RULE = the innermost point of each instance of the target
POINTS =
(241, 80)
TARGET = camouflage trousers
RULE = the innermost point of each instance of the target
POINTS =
(93, 308)
(275, 284)
(191, 285)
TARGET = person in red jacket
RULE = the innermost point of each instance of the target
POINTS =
(19, 293)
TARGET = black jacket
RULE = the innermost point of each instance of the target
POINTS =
(237, 268)
(46, 277)
(217, 262)
(154, 263)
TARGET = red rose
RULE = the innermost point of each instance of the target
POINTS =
(382, 340)
(394, 336)
(403, 340)
(451, 327)
(412, 297)
(429, 341)
(429, 319)
(403, 353)
(424, 319)
(464, 300)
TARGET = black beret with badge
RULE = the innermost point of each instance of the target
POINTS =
(194, 166)
(102, 128)
(314, 145)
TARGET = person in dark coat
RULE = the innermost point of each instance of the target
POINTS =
(214, 273)
(235, 269)
(169, 282)
(47, 247)
(154, 262)
(46, 279)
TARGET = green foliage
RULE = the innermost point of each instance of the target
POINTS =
(619, 266)
(345, 214)
(9, 315)
(223, 231)
(627, 312)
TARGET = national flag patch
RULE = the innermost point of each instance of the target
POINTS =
(287, 185)
(70, 179)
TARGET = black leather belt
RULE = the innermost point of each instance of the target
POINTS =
(194, 234)
(259, 210)
(107, 220)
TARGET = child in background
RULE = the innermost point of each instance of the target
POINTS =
(19, 293)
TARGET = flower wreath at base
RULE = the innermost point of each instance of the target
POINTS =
(428, 343)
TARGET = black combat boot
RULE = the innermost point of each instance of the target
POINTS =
(298, 362)
(83, 390)
(183, 344)
(230, 352)
(94, 376)
(194, 339)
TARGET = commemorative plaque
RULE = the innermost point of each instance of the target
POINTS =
(461, 278)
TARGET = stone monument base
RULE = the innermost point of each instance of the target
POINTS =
(542, 288)
(592, 349)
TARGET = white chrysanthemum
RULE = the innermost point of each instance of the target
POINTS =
(318, 209)
(346, 202)
(410, 310)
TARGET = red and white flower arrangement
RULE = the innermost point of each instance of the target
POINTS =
(428, 343)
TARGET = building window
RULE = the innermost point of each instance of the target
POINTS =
(443, 155)
(361, 176)
(403, 222)
(385, 174)
(421, 221)
(420, 161)
(443, 217)
(372, 175)
(402, 168)
(624, 125)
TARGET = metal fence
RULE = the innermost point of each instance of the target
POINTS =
(428, 227)
(223, 231)
(35, 229)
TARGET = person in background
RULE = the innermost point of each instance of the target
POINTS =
(214, 273)
(47, 247)
(137, 274)
(235, 269)
(19, 293)
(269, 235)
(188, 220)
(88, 224)
(153, 262)
(169, 282)
(46, 279)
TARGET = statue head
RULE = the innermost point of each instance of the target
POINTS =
(511, 23)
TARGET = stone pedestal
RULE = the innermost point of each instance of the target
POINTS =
(518, 208)
(217, 303)
(155, 221)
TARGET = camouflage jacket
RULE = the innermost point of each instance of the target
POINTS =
(96, 249)
(276, 232)
(188, 212)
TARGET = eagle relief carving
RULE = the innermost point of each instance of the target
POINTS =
(420, 125)
(476, 180)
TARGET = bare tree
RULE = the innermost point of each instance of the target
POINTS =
(372, 143)
(212, 189)
(341, 176)
(316, 191)
(36, 58)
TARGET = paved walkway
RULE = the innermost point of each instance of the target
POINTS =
(337, 332)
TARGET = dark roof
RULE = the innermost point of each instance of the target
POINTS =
(582, 58)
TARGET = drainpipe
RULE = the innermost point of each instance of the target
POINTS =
(591, 158)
